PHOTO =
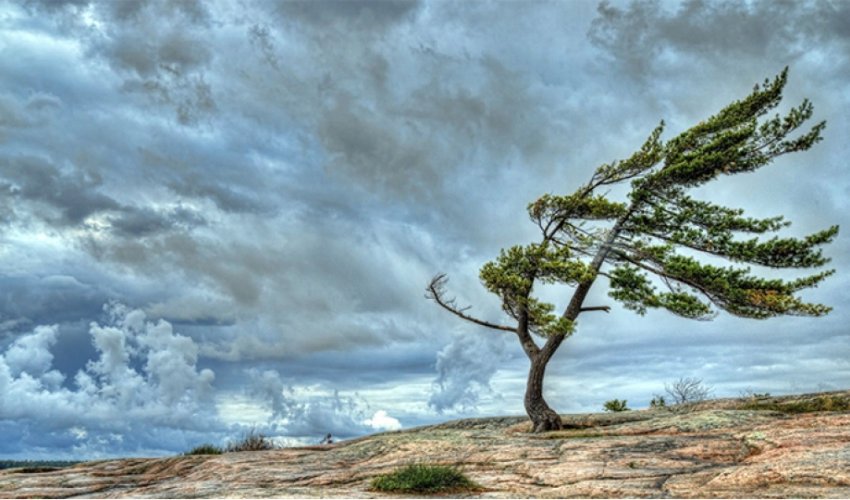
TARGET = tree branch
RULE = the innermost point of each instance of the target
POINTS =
(574, 308)
(528, 345)
(436, 292)
(595, 308)
(713, 298)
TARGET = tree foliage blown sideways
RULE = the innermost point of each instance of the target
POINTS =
(653, 247)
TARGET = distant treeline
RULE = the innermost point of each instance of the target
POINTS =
(8, 464)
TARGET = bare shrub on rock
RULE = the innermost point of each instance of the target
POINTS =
(687, 390)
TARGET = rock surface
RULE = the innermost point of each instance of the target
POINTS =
(724, 448)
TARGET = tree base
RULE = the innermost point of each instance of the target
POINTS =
(550, 421)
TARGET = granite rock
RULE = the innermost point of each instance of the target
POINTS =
(770, 447)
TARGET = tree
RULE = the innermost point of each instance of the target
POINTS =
(616, 405)
(657, 402)
(658, 236)
(687, 390)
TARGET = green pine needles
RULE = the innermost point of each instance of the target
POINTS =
(655, 248)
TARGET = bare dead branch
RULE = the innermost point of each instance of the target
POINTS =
(436, 291)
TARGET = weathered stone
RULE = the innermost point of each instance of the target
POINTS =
(714, 449)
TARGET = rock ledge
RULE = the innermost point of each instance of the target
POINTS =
(770, 447)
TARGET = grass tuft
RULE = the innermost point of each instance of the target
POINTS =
(205, 449)
(419, 478)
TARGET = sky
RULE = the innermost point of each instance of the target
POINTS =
(219, 216)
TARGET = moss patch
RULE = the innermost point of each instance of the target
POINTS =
(819, 403)
(709, 420)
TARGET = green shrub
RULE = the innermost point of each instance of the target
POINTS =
(205, 449)
(616, 405)
(658, 402)
(420, 478)
(251, 441)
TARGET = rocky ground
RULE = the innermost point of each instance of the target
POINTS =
(769, 447)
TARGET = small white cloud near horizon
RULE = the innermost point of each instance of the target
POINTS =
(381, 421)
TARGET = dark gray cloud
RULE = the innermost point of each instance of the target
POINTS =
(280, 180)
(47, 299)
(363, 14)
(74, 195)
(227, 197)
(646, 36)
(71, 197)
(157, 47)
(144, 221)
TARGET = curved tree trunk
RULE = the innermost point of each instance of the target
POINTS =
(542, 416)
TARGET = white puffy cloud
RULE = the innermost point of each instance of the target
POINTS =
(382, 421)
(143, 392)
(145, 375)
(31, 354)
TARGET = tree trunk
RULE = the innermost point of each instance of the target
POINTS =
(542, 416)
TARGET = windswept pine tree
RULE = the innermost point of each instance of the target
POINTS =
(651, 247)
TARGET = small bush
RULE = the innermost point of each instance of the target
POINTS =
(658, 402)
(205, 449)
(251, 441)
(420, 478)
(616, 405)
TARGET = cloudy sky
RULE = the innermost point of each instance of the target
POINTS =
(217, 216)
